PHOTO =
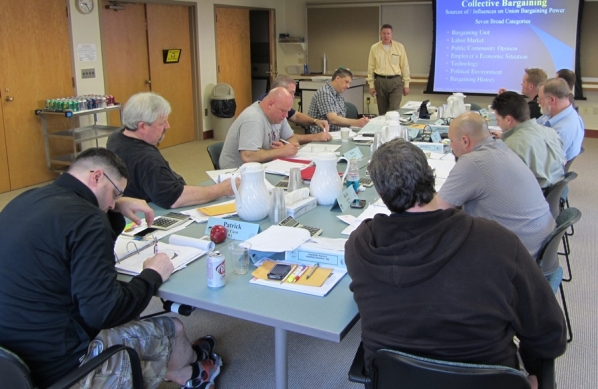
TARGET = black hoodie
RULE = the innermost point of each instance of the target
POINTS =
(449, 286)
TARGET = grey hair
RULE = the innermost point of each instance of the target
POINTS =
(144, 107)
(556, 87)
(283, 80)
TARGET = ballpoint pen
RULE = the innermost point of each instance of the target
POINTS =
(298, 274)
(284, 141)
(311, 272)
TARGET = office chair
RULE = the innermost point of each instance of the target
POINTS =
(565, 197)
(15, 374)
(214, 151)
(397, 370)
(475, 107)
(553, 193)
(351, 111)
(550, 248)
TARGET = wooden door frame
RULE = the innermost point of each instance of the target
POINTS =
(195, 79)
(271, 34)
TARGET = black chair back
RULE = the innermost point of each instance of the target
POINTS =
(550, 247)
(570, 162)
(14, 373)
(398, 370)
(351, 111)
(553, 193)
(214, 151)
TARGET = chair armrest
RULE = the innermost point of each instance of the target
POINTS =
(546, 379)
(76, 375)
(357, 369)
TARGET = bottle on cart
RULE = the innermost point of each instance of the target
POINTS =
(352, 178)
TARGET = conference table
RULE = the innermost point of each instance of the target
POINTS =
(329, 318)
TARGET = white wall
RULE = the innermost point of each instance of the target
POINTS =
(86, 29)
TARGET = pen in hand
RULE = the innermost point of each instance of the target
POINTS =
(311, 272)
(284, 141)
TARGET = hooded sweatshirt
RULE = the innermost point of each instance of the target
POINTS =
(449, 286)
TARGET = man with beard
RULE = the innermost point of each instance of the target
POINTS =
(145, 118)
(558, 113)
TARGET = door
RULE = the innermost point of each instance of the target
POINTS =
(272, 42)
(169, 28)
(141, 32)
(35, 65)
(233, 53)
(124, 47)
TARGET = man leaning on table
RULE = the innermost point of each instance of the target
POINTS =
(388, 72)
(261, 132)
(300, 118)
(489, 180)
(145, 119)
(539, 147)
(442, 284)
(328, 103)
(60, 300)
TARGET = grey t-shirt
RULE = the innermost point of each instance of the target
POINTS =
(251, 131)
(494, 183)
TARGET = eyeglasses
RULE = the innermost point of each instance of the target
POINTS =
(120, 192)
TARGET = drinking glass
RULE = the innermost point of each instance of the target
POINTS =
(278, 211)
(239, 254)
(295, 180)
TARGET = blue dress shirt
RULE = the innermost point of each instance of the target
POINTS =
(570, 127)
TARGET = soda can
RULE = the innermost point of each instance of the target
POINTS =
(216, 270)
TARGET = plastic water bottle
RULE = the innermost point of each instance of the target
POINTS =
(352, 178)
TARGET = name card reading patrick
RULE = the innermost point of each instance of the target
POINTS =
(236, 230)
(353, 154)
(344, 200)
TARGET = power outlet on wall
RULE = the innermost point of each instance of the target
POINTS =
(595, 111)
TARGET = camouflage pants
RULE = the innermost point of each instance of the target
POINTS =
(153, 339)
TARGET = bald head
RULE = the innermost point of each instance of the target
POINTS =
(466, 131)
(276, 104)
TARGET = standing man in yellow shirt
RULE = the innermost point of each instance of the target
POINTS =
(388, 72)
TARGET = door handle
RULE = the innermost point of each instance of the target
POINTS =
(148, 81)
(9, 98)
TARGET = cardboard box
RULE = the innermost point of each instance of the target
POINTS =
(309, 254)
(301, 207)
(434, 147)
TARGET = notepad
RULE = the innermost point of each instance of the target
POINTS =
(180, 256)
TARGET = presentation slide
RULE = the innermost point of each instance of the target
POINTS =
(482, 46)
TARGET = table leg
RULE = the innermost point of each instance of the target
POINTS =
(280, 358)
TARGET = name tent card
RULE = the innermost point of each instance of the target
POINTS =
(353, 154)
(344, 200)
(436, 138)
(236, 230)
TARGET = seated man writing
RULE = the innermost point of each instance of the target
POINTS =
(329, 104)
(539, 147)
(300, 118)
(261, 132)
(442, 284)
(145, 119)
(60, 300)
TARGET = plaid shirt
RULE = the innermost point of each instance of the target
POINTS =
(326, 100)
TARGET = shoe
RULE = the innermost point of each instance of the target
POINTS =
(204, 347)
(208, 371)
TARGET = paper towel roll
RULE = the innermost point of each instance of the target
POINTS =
(203, 243)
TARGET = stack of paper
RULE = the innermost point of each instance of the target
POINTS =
(311, 151)
(282, 167)
(223, 210)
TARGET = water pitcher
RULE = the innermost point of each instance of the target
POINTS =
(252, 198)
(326, 184)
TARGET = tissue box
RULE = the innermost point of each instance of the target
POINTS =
(301, 207)
(434, 147)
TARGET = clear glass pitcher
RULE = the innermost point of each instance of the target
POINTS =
(252, 198)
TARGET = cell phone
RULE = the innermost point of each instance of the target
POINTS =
(368, 135)
(358, 203)
(143, 233)
(279, 272)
